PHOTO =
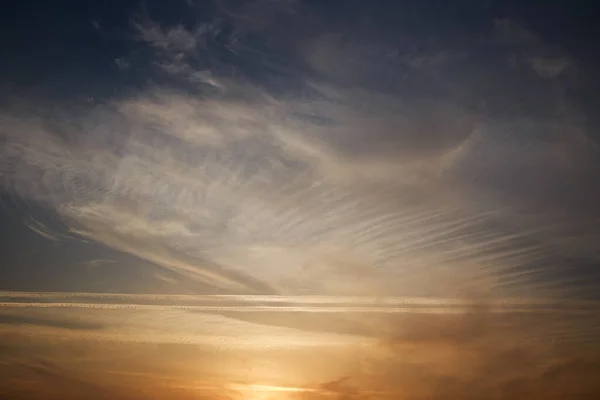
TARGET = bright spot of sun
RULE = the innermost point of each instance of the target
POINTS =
(267, 392)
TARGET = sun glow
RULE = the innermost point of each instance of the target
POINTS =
(268, 392)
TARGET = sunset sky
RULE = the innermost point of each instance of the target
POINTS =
(299, 200)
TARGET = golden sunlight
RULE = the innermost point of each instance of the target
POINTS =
(267, 392)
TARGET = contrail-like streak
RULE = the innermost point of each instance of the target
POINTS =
(386, 310)
(303, 304)
(9, 296)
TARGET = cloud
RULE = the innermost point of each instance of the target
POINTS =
(350, 196)
(549, 68)
(346, 355)
(176, 39)
(17, 319)
(315, 163)
(54, 378)
(122, 63)
(473, 355)
(548, 61)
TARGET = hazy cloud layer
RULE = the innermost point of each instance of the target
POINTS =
(348, 355)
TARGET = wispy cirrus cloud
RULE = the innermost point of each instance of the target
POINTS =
(333, 168)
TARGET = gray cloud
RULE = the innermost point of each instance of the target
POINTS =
(17, 319)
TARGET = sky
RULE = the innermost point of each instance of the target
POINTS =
(286, 199)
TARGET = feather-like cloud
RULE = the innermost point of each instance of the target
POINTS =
(334, 168)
